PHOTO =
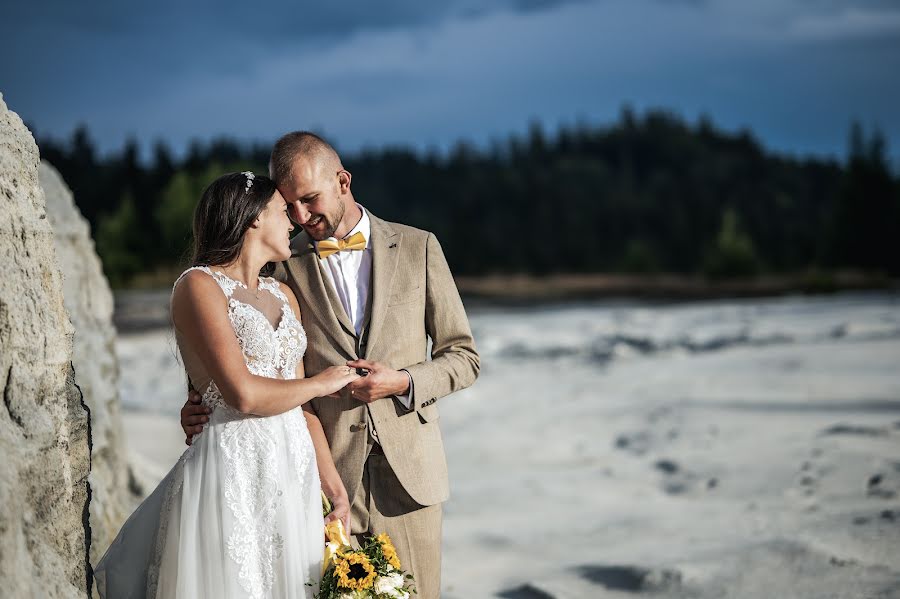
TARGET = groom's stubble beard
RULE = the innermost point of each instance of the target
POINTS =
(332, 222)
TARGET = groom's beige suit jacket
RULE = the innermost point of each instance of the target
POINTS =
(412, 297)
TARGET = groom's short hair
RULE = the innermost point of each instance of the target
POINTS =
(293, 145)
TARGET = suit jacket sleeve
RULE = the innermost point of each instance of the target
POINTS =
(454, 362)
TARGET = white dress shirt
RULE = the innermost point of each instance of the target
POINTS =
(350, 273)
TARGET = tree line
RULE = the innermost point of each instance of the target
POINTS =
(649, 194)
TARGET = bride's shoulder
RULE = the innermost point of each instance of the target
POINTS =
(197, 295)
(194, 284)
(191, 277)
(193, 273)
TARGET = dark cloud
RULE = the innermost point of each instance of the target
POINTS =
(278, 17)
(111, 43)
(429, 74)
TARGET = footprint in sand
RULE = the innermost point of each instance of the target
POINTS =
(677, 480)
(664, 428)
(810, 473)
(882, 485)
(884, 516)
(636, 443)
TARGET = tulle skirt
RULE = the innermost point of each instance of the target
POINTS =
(239, 515)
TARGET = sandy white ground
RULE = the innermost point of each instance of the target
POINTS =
(744, 449)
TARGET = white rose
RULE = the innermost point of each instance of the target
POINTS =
(385, 585)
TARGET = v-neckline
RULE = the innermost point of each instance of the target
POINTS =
(259, 287)
(275, 328)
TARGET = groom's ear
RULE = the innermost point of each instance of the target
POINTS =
(344, 178)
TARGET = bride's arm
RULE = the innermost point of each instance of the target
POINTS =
(200, 312)
(332, 485)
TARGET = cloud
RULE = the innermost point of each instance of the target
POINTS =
(428, 77)
(261, 20)
(847, 24)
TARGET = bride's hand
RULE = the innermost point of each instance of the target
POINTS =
(340, 508)
(335, 378)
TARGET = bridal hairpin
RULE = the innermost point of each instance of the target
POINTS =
(250, 176)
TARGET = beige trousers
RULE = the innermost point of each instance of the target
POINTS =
(382, 505)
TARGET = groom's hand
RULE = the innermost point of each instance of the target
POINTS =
(193, 416)
(379, 383)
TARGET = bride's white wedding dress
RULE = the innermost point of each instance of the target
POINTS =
(239, 515)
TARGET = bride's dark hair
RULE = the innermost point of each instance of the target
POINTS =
(225, 212)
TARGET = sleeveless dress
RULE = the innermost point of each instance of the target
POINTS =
(239, 515)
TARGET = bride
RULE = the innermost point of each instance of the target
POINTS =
(239, 515)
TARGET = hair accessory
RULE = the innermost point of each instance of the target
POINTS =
(250, 176)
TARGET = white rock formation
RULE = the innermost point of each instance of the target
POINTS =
(89, 301)
(44, 426)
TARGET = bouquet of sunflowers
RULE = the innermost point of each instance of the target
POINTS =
(370, 572)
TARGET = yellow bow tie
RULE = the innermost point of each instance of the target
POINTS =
(326, 247)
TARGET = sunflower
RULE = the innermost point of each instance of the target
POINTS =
(355, 572)
(389, 551)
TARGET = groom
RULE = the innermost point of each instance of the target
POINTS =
(373, 292)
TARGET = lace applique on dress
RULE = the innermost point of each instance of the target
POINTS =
(252, 495)
(302, 451)
(292, 345)
(272, 286)
(257, 339)
(251, 485)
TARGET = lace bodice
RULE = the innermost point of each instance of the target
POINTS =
(271, 349)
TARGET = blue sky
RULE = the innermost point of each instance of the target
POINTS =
(795, 72)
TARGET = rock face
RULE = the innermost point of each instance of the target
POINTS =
(89, 301)
(44, 425)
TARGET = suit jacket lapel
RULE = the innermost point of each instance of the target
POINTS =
(385, 253)
(306, 269)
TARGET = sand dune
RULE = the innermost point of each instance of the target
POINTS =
(723, 469)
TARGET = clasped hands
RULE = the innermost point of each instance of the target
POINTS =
(379, 382)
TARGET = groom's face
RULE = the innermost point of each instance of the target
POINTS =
(314, 194)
